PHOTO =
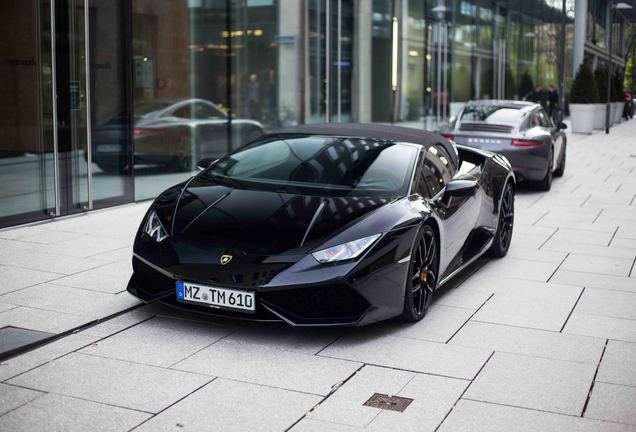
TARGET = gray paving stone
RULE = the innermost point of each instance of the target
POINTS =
(433, 397)
(533, 305)
(366, 346)
(617, 366)
(309, 425)
(86, 246)
(16, 278)
(472, 416)
(441, 322)
(305, 341)
(71, 300)
(612, 402)
(159, 341)
(568, 217)
(594, 280)
(111, 278)
(262, 364)
(530, 342)
(55, 413)
(617, 304)
(114, 382)
(225, 405)
(522, 252)
(41, 320)
(623, 242)
(613, 266)
(462, 298)
(601, 326)
(587, 249)
(34, 358)
(520, 268)
(119, 323)
(11, 397)
(532, 382)
(45, 236)
(53, 263)
(599, 238)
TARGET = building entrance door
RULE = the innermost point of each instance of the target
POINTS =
(63, 99)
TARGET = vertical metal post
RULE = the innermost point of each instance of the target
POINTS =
(327, 61)
(562, 61)
(339, 65)
(443, 70)
(56, 173)
(609, 67)
(89, 146)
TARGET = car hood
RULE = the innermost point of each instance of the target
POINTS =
(208, 214)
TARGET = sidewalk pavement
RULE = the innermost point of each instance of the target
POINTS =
(543, 339)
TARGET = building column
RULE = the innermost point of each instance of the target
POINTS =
(362, 85)
(580, 29)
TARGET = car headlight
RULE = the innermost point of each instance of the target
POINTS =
(345, 251)
(154, 227)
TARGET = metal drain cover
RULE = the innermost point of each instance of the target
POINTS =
(13, 339)
(391, 403)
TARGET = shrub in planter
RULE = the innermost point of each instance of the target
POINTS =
(600, 77)
(583, 97)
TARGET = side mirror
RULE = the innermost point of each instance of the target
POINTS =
(563, 126)
(459, 188)
(204, 164)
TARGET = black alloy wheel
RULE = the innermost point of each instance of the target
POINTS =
(503, 236)
(183, 157)
(422, 276)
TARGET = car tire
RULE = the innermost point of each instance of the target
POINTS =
(545, 184)
(505, 223)
(421, 278)
(561, 168)
(110, 168)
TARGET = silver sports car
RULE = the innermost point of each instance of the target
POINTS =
(521, 131)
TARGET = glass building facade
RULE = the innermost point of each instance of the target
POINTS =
(111, 101)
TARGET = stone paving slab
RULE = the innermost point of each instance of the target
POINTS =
(159, 341)
(373, 347)
(225, 405)
(56, 413)
(268, 365)
(114, 382)
(612, 402)
(472, 416)
(536, 383)
(12, 397)
(619, 364)
(530, 342)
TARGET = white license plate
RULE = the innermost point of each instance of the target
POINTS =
(220, 298)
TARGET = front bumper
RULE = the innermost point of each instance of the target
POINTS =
(347, 294)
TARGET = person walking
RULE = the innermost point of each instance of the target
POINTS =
(535, 95)
(627, 97)
(553, 103)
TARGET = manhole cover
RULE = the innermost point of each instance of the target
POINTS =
(391, 403)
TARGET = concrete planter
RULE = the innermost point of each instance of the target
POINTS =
(599, 116)
(618, 117)
(582, 117)
(612, 113)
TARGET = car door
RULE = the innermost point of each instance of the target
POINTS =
(555, 135)
(458, 215)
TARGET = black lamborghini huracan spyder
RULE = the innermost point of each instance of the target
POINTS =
(336, 224)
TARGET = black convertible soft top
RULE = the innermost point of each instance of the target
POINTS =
(373, 130)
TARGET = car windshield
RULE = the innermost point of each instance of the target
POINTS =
(319, 165)
(150, 107)
(493, 114)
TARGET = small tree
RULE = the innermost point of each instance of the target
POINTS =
(600, 77)
(618, 86)
(584, 87)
